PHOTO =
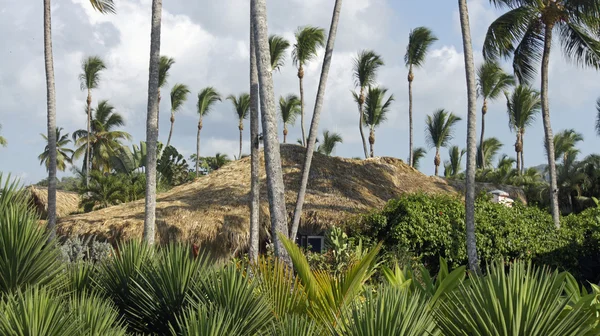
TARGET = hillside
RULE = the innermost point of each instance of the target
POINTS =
(213, 210)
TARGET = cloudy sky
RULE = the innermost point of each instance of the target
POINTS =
(209, 41)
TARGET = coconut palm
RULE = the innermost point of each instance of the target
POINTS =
(598, 117)
(308, 41)
(90, 79)
(420, 40)
(278, 46)
(330, 140)
(522, 105)
(525, 32)
(491, 147)
(376, 109)
(289, 108)
(565, 142)
(207, 98)
(241, 105)
(492, 81)
(2, 140)
(63, 154)
(152, 123)
(366, 64)
(452, 166)
(164, 66)
(439, 132)
(179, 93)
(104, 139)
(417, 154)
(253, 245)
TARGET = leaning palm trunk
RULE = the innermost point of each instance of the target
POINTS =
(198, 147)
(88, 163)
(152, 124)
(548, 127)
(522, 156)
(51, 106)
(481, 136)
(471, 137)
(300, 79)
(275, 187)
(171, 130)
(254, 153)
(411, 77)
(314, 126)
(241, 127)
(361, 105)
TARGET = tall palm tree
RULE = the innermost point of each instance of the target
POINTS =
(330, 140)
(103, 137)
(102, 6)
(179, 93)
(164, 65)
(491, 147)
(90, 79)
(366, 64)
(314, 125)
(439, 132)
(289, 108)
(522, 105)
(308, 41)
(417, 154)
(452, 166)
(63, 154)
(465, 28)
(565, 142)
(525, 32)
(492, 81)
(275, 186)
(3, 141)
(241, 105)
(376, 109)
(420, 40)
(278, 46)
(253, 246)
(207, 98)
(598, 117)
(152, 123)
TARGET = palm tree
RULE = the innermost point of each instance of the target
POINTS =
(565, 142)
(491, 147)
(179, 93)
(492, 81)
(2, 140)
(253, 245)
(330, 140)
(275, 186)
(63, 154)
(376, 109)
(522, 105)
(598, 117)
(164, 66)
(417, 154)
(241, 105)
(152, 123)
(206, 100)
(308, 41)
(104, 139)
(366, 64)
(289, 107)
(439, 132)
(452, 166)
(525, 32)
(420, 40)
(278, 47)
(90, 79)
(465, 28)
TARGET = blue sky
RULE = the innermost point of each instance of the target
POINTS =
(209, 43)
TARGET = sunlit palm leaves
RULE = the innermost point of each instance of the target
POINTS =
(330, 140)
(439, 132)
(289, 109)
(63, 154)
(278, 47)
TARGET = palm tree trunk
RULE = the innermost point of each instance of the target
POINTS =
(241, 131)
(522, 159)
(361, 122)
(254, 153)
(198, 147)
(89, 124)
(171, 130)
(372, 141)
(518, 154)
(152, 124)
(436, 161)
(285, 133)
(51, 106)
(300, 78)
(275, 187)
(471, 137)
(410, 116)
(314, 125)
(548, 126)
(481, 136)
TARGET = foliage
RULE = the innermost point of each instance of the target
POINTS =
(96, 315)
(3, 141)
(364, 68)
(418, 154)
(330, 140)
(420, 40)
(308, 41)
(63, 154)
(211, 163)
(376, 106)
(164, 65)
(179, 93)
(278, 46)
(172, 167)
(127, 161)
(77, 249)
(67, 183)
(439, 131)
(453, 166)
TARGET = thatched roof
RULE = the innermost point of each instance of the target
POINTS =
(213, 210)
(66, 202)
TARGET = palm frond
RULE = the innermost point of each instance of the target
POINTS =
(598, 117)
(179, 94)
(418, 154)
(164, 66)
(420, 40)
(241, 105)
(90, 75)
(308, 41)
(289, 108)
(330, 140)
(491, 147)
(365, 66)
(104, 6)
(523, 105)
(528, 53)
(440, 128)
(278, 47)
(579, 45)
(376, 106)
(492, 81)
(207, 98)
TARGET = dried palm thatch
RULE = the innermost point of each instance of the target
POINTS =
(66, 202)
(213, 211)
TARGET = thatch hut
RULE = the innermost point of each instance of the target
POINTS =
(67, 202)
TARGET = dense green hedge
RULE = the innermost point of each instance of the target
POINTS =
(426, 227)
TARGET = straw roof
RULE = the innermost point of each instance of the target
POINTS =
(213, 211)
(66, 202)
